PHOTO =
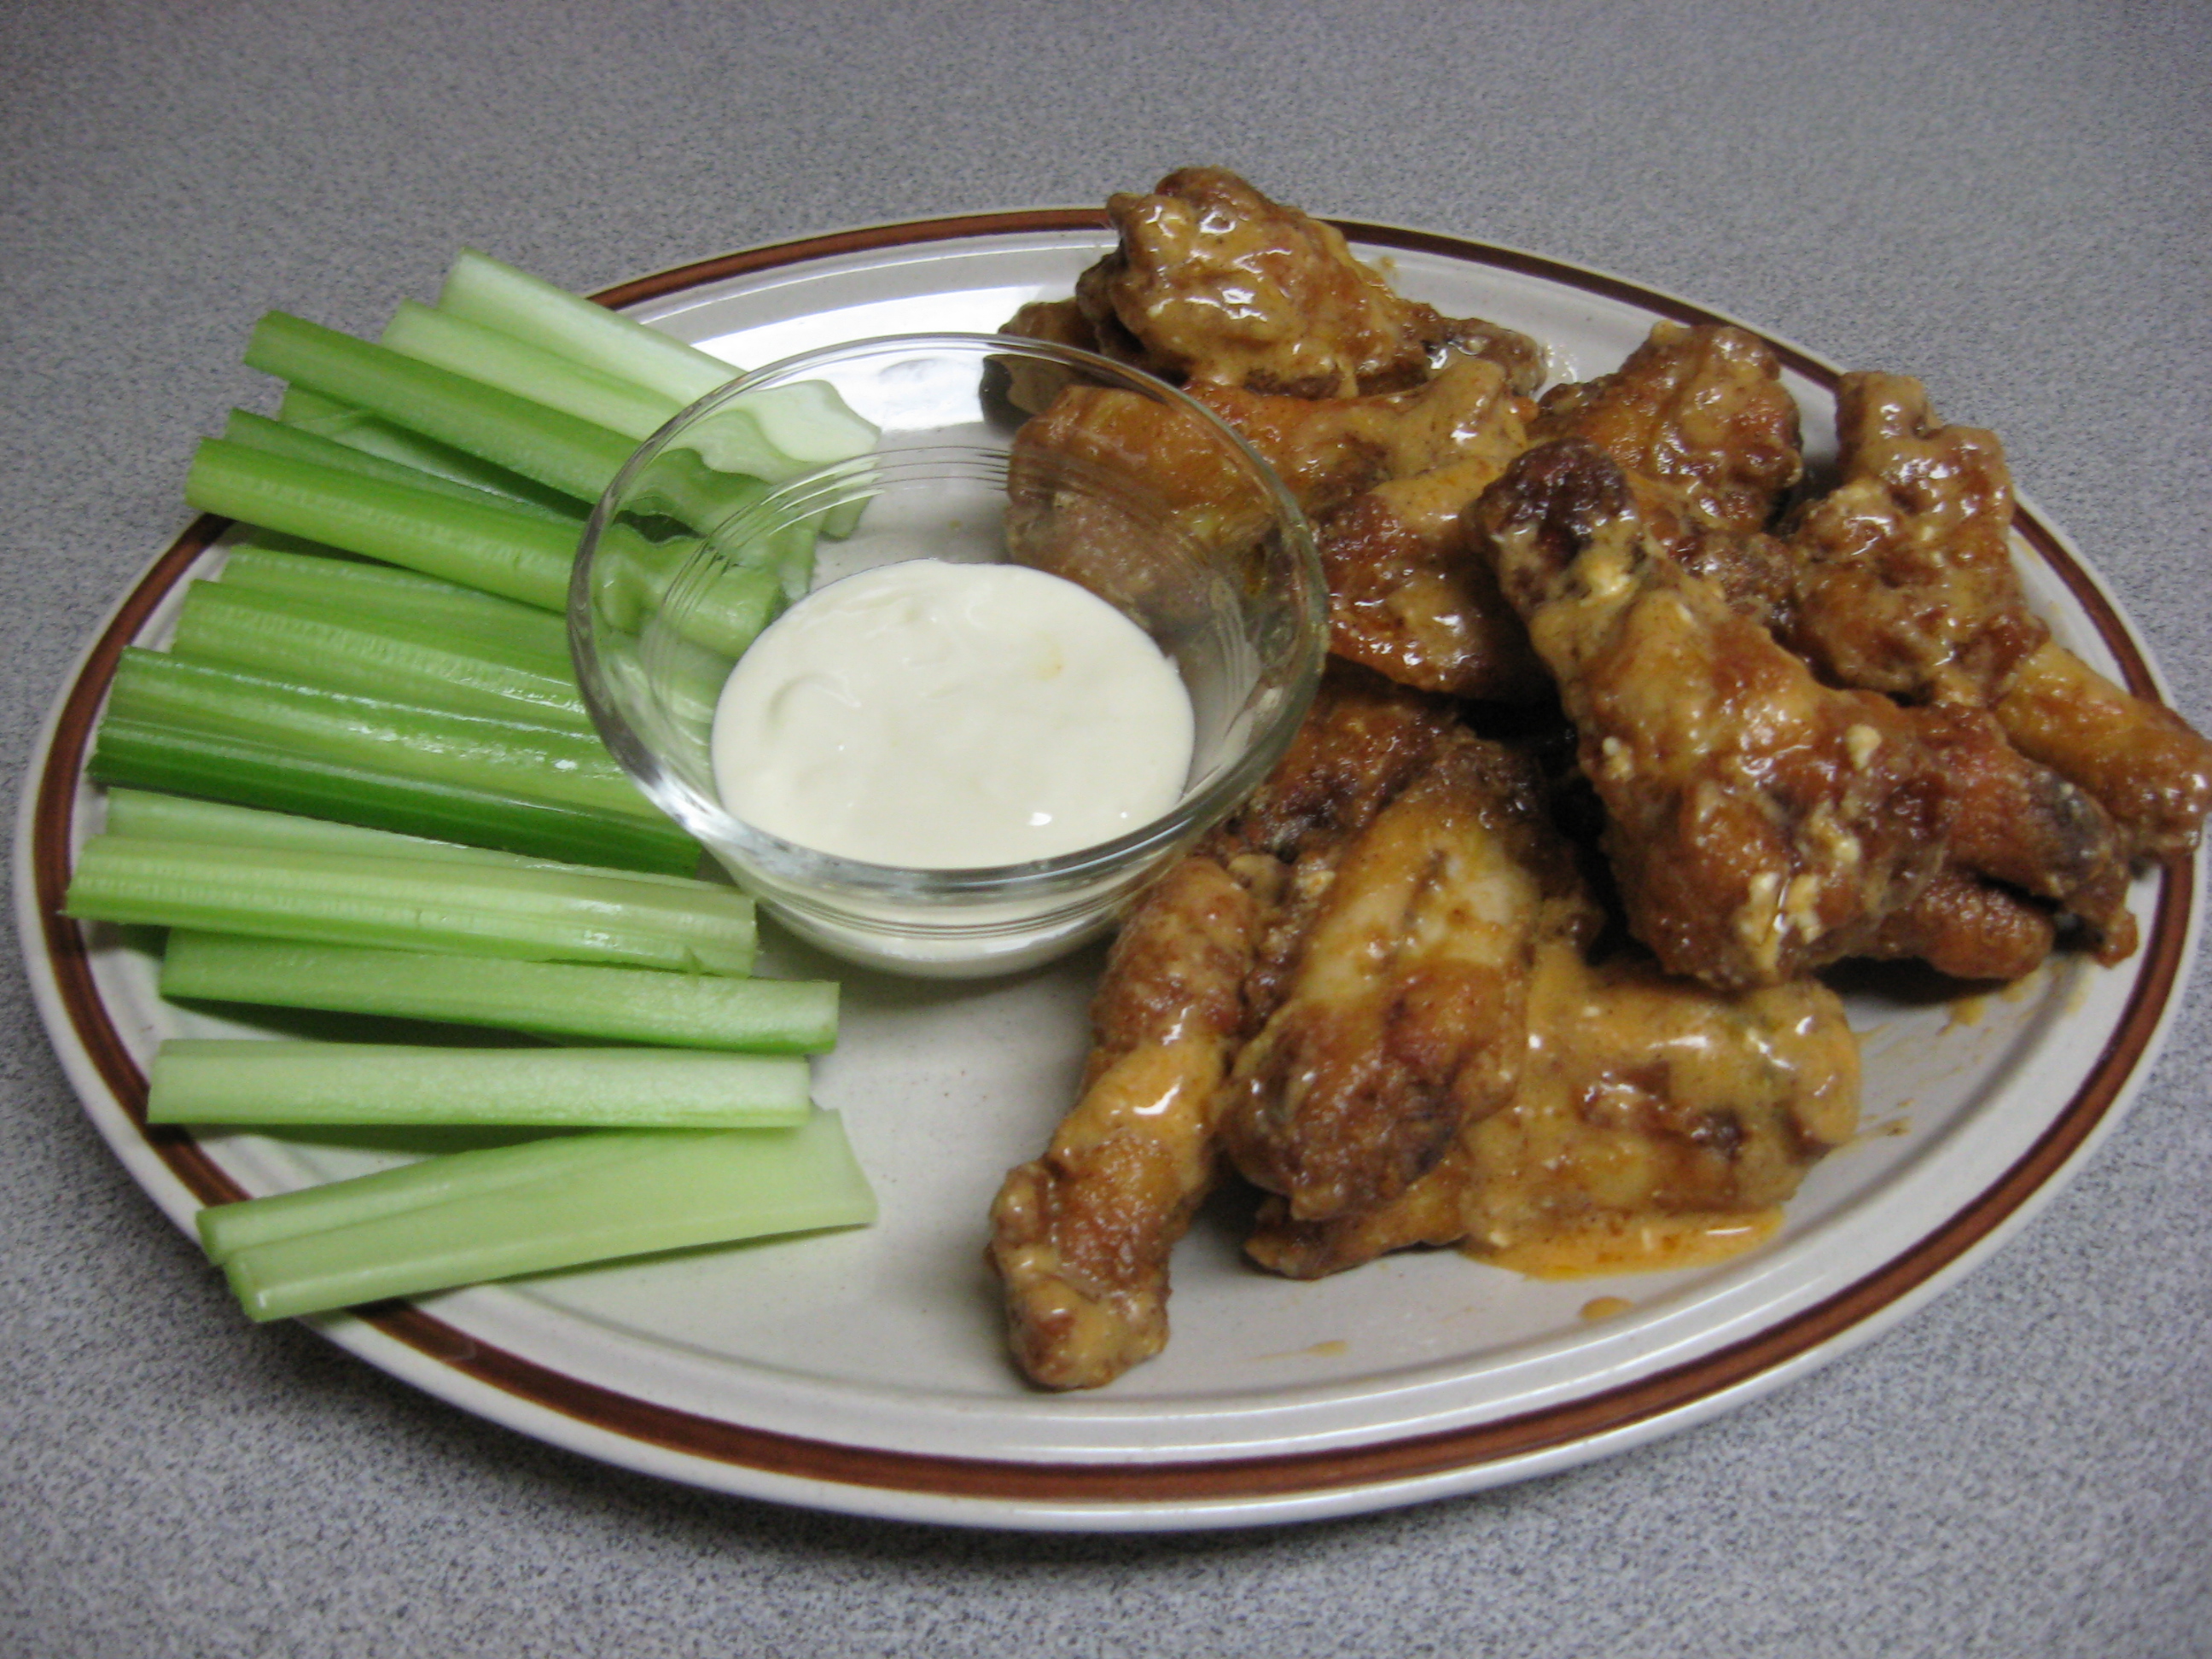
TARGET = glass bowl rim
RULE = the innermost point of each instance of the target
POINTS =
(780, 861)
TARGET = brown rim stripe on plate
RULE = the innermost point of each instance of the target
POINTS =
(1411, 1458)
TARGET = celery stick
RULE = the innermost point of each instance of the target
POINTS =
(182, 761)
(484, 290)
(780, 432)
(574, 457)
(400, 595)
(529, 371)
(250, 1082)
(627, 1004)
(259, 432)
(705, 1186)
(527, 760)
(358, 428)
(502, 551)
(225, 1229)
(147, 816)
(774, 434)
(300, 642)
(415, 904)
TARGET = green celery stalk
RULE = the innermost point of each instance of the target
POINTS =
(483, 289)
(149, 816)
(502, 551)
(180, 760)
(540, 914)
(260, 432)
(249, 1082)
(775, 434)
(358, 428)
(303, 643)
(702, 1187)
(527, 760)
(549, 999)
(529, 371)
(574, 457)
(398, 595)
(226, 1229)
(780, 432)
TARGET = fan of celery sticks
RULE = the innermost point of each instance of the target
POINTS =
(362, 780)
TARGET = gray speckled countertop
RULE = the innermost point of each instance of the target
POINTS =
(2007, 199)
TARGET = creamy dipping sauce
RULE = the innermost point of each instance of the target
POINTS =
(947, 716)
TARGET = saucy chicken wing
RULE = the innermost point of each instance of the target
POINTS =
(2144, 764)
(1641, 1098)
(1400, 1018)
(1701, 411)
(1905, 582)
(1081, 1237)
(1759, 823)
(1212, 280)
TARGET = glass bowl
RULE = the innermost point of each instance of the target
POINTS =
(1123, 485)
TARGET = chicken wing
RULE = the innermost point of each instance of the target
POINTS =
(1081, 1237)
(1641, 1098)
(1758, 823)
(1388, 477)
(1701, 411)
(1905, 581)
(2021, 823)
(2144, 764)
(1211, 280)
(1401, 1019)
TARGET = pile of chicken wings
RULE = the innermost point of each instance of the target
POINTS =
(1628, 729)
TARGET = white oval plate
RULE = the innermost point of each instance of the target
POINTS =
(865, 1371)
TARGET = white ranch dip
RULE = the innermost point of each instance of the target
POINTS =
(945, 716)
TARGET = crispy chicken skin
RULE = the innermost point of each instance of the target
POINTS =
(1212, 280)
(1701, 411)
(1081, 1237)
(1401, 1017)
(1905, 582)
(1758, 823)
(1640, 1095)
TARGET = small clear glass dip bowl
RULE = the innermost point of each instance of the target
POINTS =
(1125, 486)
